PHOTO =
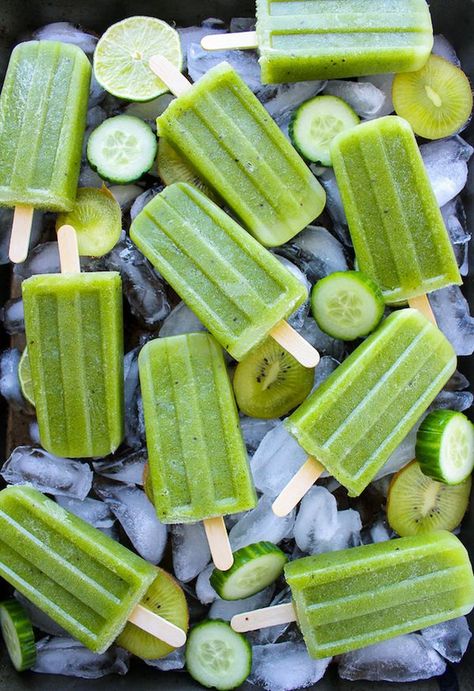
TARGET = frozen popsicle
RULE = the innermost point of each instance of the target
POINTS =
(228, 137)
(43, 109)
(236, 287)
(351, 424)
(74, 334)
(396, 226)
(357, 597)
(85, 581)
(197, 459)
(327, 39)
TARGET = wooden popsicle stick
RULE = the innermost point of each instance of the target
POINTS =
(219, 544)
(262, 618)
(157, 626)
(290, 340)
(422, 304)
(243, 40)
(21, 231)
(68, 250)
(169, 74)
(297, 487)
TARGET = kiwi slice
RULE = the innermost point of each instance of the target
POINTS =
(163, 597)
(97, 219)
(418, 504)
(173, 168)
(436, 100)
(269, 382)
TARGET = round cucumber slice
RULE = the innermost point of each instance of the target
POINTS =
(418, 504)
(122, 149)
(436, 100)
(254, 567)
(218, 657)
(445, 446)
(347, 305)
(18, 635)
(316, 122)
(97, 219)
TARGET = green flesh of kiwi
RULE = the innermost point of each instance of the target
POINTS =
(418, 504)
(269, 382)
(173, 168)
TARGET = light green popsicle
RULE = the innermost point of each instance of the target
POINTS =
(396, 226)
(85, 581)
(197, 458)
(43, 109)
(366, 407)
(356, 597)
(228, 137)
(238, 289)
(74, 333)
(327, 39)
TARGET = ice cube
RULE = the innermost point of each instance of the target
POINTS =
(406, 658)
(12, 316)
(285, 666)
(204, 590)
(384, 83)
(270, 634)
(296, 320)
(194, 34)
(133, 437)
(280, 100)
(277, 459)
(137, 516)
(181, 320)
(190, 550)
(452, 314)
(238, 24)
(380, 531)
(450, 638)
(33, 431)
(38, 618)
(65, 32)
(245, 62)
(44, 259)
(363, 97)
(261, 524)
(59, 476)
(446, 163)
(454, 217)
(334, 206)
(128, 467)
(327, 365)
(317, 521)
(174, 660)
(142, 200)
(6, 221)
(125, 195)
(69, 658)
(315, 252)
(149, 111)
(96, 92)
(403, 454)
(10, 387)
(226, 609)
(324, 344)
(95, 512)
(452, 400)
(444, 49)
(254, 429)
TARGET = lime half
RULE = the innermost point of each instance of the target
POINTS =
(24, 374)
(122, 55)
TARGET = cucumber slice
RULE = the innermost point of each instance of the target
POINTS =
(216, 656)
(18, 634)
(316, 122)
(122, 149)
(347, 304)
(445, 446)
(255, 567)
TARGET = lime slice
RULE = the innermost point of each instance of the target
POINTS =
(122, 55)
(24, 374)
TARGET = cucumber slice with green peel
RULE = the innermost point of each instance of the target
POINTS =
(254, 568)
(347, 305)
(18, 634)
(445, 446)
(216, 656)
(97, 220)
(316, 122)
(418, 504)
(122, 149)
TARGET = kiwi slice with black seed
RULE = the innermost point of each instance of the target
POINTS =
(269, 382)
(163, 597)
(418, 504)
(173, 168)
(436, 100)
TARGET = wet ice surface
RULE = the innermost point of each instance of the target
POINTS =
(285, 666)
(261, 524)
(254, 429)
(127, 467)
(13, 316)
(245, 62)
(277, 459)
(204, 590)
(174, 660)
(126, 195)
(67, 33)
(364, 97)
(384, 83)
(95, 512)
(44, 259)
(38, 618)
(194, 34)
(452, 314)
(69, 658)
(316, 252)
(181, 320)
(324, 344)
(47, 473)
(454, 217)
(9, 381)
(226, 609)
(334, 205)
(133, 437)
(450, 638)
(137, 516)
(406, 658)
(272, 634)
(190, 550)
(446, 163)
(296, 320)
(444, 49)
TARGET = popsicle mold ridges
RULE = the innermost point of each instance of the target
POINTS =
(399, 235)
(75, 344)
(229, 138)
(198, 461)
(88, 583)
(360, 596)
(366, 407)
(43, 109)
(324, 39)
(235, 286)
